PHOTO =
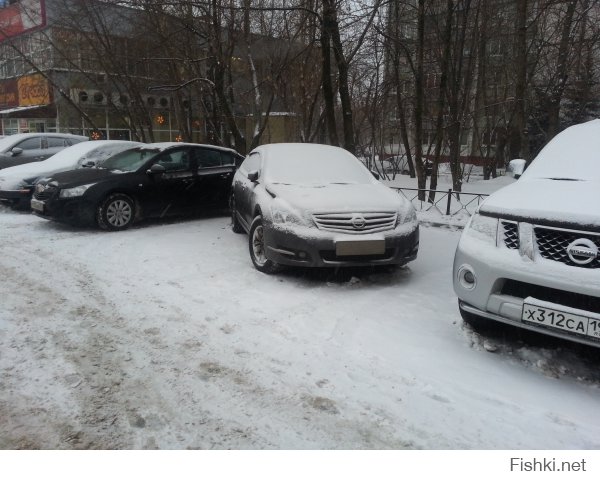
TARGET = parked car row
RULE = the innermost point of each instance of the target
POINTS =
(529, 257)
(301, 204)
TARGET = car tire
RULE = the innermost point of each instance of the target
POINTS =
(116, 212)
(236, 226)
(257, 246)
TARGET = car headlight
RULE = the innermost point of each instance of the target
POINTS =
(483, 228)
(282, 215)
(75, 191)
(409, 217)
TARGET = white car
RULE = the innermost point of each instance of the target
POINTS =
(16, 183)
(314, 205)
(530, 257)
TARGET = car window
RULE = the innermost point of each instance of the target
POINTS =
(227, 158)
(206, 158)
(54, 142)
(252, 163)
(128, 161)
(29, 144)
(174, 160)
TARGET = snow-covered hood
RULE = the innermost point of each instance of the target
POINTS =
(548, 200)
(11, 178)
(340, 198)
(82, 176)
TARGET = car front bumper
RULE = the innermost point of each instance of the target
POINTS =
(505, 278)
(311, 247)
(74, 211)
(16, 198)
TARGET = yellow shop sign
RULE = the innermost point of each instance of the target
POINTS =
(33, 90)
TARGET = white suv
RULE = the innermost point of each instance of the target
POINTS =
(530, 256)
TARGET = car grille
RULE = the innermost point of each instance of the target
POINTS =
(511, 234)
(356, 223)
(559, 297)
(330, 256)
(44, 194)
(552, 245)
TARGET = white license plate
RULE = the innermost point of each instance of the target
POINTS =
(560, 320)
(37, 205)
(359, 247)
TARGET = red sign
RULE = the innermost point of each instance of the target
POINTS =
(20, 17)
(9, 94)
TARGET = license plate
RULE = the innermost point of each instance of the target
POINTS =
(37, 205)
(540, 315)
(359, 247)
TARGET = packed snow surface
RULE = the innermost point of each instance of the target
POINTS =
(165, 336)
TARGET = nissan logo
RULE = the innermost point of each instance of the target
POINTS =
(358, 222)
(582, 251)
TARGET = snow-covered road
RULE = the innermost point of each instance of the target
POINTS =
(164, 336)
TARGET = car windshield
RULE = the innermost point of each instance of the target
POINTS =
(101, 154)
(128, 161)
(314, 166)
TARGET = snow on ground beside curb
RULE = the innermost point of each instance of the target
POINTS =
(164, 336)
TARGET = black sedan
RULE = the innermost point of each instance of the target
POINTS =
(154, 180)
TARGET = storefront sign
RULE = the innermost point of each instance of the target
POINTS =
(20, 17)
(9, 94)
(33, 90)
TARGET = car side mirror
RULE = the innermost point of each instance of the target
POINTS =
(375, 174)
(156, 169)
(253, 176)
(16, 151)
(516, 167)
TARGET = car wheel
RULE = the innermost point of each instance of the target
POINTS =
(258, 248)
(116, 212)
(236, 226)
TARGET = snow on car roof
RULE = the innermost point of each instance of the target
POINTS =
(561, 185)
(311, 164)
(10, 140)
(160, 146)
(572, 154)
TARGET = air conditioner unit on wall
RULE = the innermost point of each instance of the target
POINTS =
(85, 96)
(120, 99)
(156, 101)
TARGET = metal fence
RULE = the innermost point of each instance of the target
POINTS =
(447, 203)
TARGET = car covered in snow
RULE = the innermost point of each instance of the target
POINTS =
(530, 257)
(153, 180)
(17, 183)
(315, 206)
(23, 148)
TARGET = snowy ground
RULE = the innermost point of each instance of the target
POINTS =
(165, 336)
